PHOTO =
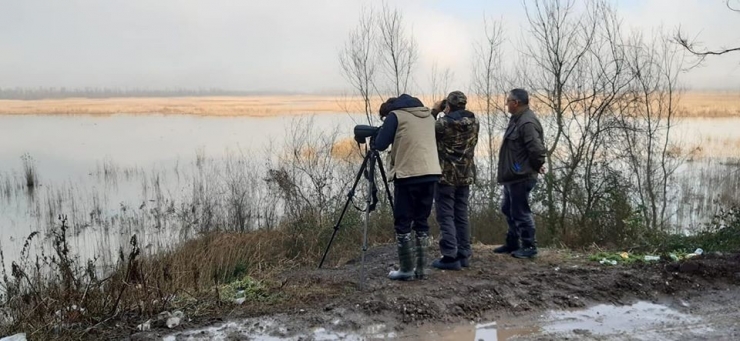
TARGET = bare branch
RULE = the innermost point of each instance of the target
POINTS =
(735, 9)
(691, 47)
(358, 59)
(680, 39)
(397, 49)
(488, 86)
(439, 80)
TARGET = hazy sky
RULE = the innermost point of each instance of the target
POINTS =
(282, 45)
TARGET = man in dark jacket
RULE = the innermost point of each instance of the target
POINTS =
(457, 136)
(414, 169)
(521, 160)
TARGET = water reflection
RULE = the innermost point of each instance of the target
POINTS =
(642, 320)
(70, 147)
(487, 332)
(112, 173)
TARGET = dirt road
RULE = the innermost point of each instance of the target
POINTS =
(531, 295)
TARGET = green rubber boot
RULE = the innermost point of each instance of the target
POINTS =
(405, 259)
(422, 245)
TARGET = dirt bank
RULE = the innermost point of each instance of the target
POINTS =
(493, 286)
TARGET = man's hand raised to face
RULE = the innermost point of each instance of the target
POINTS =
(437, 108)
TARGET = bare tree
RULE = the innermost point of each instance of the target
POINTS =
(358, 59)
(380, 46)
(439, 80)
(647, 122)
(587, 76)
(397, 49)
(598, 83)
(559, 41)
(488, 87)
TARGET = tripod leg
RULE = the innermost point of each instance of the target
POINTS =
(368, 202)
(350, 195)
(385, 178)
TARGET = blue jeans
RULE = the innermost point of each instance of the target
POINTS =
(518, 214)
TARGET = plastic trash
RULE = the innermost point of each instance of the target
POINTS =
(146, 326)
(172, 319)
(624, 255)
(16, 337)
(696, 253)
(173, 322)
(164, 315)
(239, 301)
(652, 258)
(607, 261)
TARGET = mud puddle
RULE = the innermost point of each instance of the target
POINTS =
(640, 321)
(281, 328)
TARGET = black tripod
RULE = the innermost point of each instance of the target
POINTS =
(372, 157)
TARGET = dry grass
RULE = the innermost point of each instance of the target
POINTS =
(223, 257)
(710, 104)
(346, 149)
(199, 276)
(693, 104)
(205, 106)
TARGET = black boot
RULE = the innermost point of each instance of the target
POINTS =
(422, 243)
(529, 250)
(405, 270)
(464, 261)
(512, 245)
(447, 263)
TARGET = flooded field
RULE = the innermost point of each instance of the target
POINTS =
(116, 176)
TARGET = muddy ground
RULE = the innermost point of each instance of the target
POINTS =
(494, 287)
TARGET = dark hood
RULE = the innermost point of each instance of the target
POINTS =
(405, 101)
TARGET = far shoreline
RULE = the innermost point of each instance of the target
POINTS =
(707, 104)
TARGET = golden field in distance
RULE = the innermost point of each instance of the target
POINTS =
(692, 104)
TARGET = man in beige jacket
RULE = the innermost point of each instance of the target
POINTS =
(414, 169)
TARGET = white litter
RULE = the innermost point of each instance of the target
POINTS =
(16, 337)
(146, 326)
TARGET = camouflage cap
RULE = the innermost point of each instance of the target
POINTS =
(457, 99)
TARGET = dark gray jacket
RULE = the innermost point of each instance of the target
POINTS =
(523, 149)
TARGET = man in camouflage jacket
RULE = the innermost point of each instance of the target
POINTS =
(457, 136)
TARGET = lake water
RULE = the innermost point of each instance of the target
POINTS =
(101, 169)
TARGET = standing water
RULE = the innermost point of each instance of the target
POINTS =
(121, 175)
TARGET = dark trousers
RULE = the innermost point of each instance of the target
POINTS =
(518, 214)
(451, 204)
(412, 206)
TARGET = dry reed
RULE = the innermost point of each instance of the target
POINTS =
(693, 104)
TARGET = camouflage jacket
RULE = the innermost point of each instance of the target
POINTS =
(457, 136)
